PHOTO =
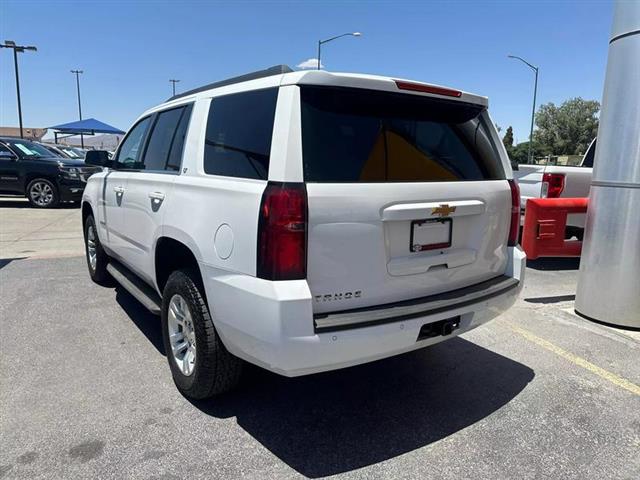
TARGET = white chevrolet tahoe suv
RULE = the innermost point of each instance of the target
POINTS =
(307, 221)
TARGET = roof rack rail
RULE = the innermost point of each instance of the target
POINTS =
(268, 72)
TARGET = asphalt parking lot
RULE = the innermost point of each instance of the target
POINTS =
(86, 391)
(28, 232)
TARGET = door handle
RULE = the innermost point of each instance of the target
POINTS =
(118, 189)
(156, 196)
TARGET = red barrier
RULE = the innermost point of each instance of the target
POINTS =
(545, 221)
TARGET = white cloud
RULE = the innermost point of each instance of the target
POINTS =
(310, 64)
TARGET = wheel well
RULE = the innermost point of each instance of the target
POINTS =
(172, 255)
(86, 211)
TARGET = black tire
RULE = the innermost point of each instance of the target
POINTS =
(42, 193)
(215, 370)
(98, 273)
(574, 232)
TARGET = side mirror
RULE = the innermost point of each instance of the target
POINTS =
(99, 158)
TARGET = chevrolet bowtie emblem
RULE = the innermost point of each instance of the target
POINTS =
(443, 210)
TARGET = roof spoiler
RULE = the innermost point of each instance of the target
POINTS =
(268, 72)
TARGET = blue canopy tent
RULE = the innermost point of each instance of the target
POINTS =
(90, 126)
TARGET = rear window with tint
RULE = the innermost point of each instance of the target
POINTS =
(239, 129)
(355, 135)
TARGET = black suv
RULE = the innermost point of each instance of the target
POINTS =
(29, 169)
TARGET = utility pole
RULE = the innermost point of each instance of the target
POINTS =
(533, 111)
(173, 84)
(18, 49)
(77, 74)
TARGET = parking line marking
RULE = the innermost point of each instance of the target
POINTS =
(575, 359)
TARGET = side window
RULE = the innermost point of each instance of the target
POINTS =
(162, 133)
(175, 154)
(239, 130)
(131, 149)
(5, 152)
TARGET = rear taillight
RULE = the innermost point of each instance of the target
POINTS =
(282, 232)
(514, 229)
(554, 184)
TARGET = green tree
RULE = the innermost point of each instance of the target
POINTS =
(520, 152)
(567, 129)
(507, 140)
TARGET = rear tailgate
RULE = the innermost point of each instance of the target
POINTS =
(407, 197)
(529, 179)
(360, 250)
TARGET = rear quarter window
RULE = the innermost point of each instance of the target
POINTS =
(356, 135)
(239, 130)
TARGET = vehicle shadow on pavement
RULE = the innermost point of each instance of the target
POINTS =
(335, 422)
(555, 263)
(14, 202)
(146, 322)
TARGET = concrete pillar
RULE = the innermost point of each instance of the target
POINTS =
(609, 280)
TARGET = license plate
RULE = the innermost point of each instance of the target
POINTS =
(430, 234)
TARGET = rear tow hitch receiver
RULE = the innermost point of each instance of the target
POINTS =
(442, 327)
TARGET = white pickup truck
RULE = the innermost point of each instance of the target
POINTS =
(558, 181)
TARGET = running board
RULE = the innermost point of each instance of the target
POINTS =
(135, 286)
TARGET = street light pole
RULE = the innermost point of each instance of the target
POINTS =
(16, 49)
(77, 74)
(320, 42)
(533, 111)
(173, 84)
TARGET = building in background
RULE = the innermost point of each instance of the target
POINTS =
(99, 142)
(29, 133)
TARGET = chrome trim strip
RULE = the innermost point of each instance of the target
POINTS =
(361, 317)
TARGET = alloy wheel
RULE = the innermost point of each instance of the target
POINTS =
(41, 193)
(91, 248)
(182, 335)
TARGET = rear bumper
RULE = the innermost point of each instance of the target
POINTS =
(271, 324)
(416, 308)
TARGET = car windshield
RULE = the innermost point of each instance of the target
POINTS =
(80, 152)
(71, 152)
(26, 149)
(52, 149)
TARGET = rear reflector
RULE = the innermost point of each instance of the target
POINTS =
(419, 87)
(282, 232)
(514, 229)
(555, 184)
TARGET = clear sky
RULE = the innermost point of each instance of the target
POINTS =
(130, 49)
